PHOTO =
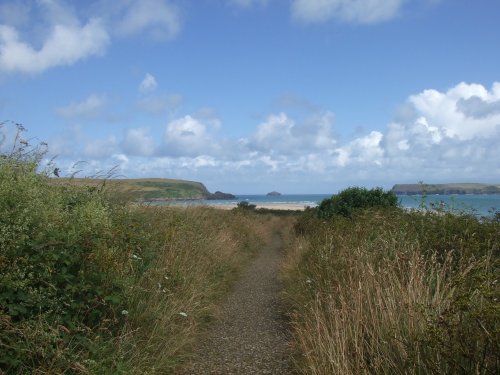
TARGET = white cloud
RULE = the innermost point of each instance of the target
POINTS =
(275, 134)
(158, 18)
(357, 11)
(91, 107)
(444, 111)
(138, 142)
(36, 36)
(148, 84)
(65, 45)
(364, 150)
(281, 134)
(187, 137)
(442, 136)
(447, 136)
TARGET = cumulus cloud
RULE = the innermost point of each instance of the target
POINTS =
(447, 135)
(465, 111)
(442, 135)
(364, 150)
(138, 142)
(187, 137)
(356, 11)
(281, 134)
(90, 108)
(476, 107)
(45, 34)
(148, 83)
(65, 45)
(276, 134)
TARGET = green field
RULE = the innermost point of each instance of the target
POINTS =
(144, 189)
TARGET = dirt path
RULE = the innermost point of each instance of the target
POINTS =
(249, 335)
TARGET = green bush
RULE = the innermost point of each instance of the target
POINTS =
(54, 295)
(352, 199)
(244, 205)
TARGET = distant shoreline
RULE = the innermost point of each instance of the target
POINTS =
(446, 189)
(230, 206)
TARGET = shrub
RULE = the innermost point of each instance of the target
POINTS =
(352, 199)
(244, 205)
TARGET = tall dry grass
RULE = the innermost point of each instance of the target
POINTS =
(90, 284)
(203, 250)
(374, 296)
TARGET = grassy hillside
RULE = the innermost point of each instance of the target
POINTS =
(465, 188)
(145, 189)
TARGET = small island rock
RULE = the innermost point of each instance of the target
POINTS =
(219, 195)
(273, 194)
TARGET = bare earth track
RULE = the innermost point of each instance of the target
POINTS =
(249, 335)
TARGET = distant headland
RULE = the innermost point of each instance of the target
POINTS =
(454, 188)
(152, 189)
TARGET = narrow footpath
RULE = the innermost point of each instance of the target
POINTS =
(249, 335)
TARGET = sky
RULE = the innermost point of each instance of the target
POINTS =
(250, 96)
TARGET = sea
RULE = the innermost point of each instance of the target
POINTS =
(477, 204)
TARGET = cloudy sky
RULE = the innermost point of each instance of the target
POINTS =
(249, 96)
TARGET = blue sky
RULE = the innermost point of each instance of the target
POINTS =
(249, 96)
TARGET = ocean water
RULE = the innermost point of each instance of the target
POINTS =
(478, 204)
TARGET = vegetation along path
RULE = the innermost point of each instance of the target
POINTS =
(249, 335)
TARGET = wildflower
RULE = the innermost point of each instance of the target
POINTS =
(183, 314)
(124, 312)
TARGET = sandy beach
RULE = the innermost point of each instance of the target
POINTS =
(269, 206)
